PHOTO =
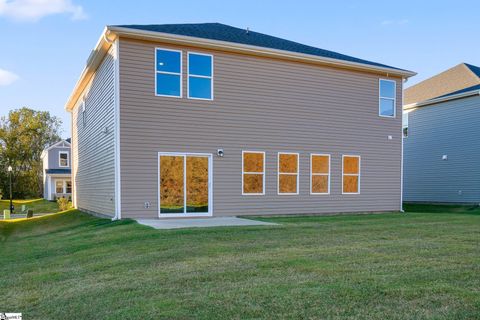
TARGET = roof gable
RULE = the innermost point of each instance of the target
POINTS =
(451, 81)
(60, 144)
(474, 69)
(223, 32)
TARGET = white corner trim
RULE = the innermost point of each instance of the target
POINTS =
(116, 138)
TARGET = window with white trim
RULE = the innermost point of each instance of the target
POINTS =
(351, 174)
(288, 164)
(63, 160)
(319, 173)
(387, 98)
(253, 172)
(63, 186)
(200, 76)
(168, 73)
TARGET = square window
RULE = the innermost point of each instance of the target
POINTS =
(387, 107)
(200, 88)
(168, 84)
(168, 61)
(200, 64)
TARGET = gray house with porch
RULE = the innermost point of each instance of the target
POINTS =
(57, 172)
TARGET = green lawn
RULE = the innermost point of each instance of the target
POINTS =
(391, 266)
(37, 205)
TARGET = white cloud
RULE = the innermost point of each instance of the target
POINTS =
(7, 77)
(395, 22)
(33, 10)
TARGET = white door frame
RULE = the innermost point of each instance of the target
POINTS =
(210, 185)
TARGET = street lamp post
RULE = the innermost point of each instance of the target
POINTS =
(11, 202)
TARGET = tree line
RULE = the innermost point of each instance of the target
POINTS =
(24, 134)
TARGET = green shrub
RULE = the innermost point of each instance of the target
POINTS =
(64, 204)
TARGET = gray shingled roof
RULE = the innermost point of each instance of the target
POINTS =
(223, 32)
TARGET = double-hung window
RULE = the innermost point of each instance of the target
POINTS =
(63, 159)
(319, 173)
(168, 73)
(200, 76)
(351, 174)
(288, 173)
(387, 98)
(253, 172)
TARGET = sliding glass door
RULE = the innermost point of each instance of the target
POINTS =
(184, 184)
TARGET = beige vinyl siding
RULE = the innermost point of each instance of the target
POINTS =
(260, 104)
(93, 150)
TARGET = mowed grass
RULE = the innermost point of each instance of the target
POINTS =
(37, 205)
(390, 266)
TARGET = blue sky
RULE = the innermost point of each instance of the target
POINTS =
(45, 43)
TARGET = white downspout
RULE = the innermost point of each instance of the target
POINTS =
(401, 160)
(118, 202)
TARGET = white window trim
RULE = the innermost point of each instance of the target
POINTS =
(320, 174)
(263, 173)
(198, 76)
(210, 185)
(166, 72)
(394, 98)
(351, 174)
(289, 174)
(64, 186)
(60, 159)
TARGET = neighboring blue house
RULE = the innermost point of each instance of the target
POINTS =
(442, 142)
(57, 172)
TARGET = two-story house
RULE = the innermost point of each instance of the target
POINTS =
(57, 176)
(442, 144)
(207, 119)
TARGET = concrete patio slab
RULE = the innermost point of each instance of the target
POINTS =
(201, 223)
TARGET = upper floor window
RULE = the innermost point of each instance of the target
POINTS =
(200, 76)
(168, 73)
(387, 98)
(63, 159)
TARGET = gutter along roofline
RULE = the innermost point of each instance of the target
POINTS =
(111, 33)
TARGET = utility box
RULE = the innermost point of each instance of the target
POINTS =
(6, 214)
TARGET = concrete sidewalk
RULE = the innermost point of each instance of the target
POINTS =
(201, 223)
